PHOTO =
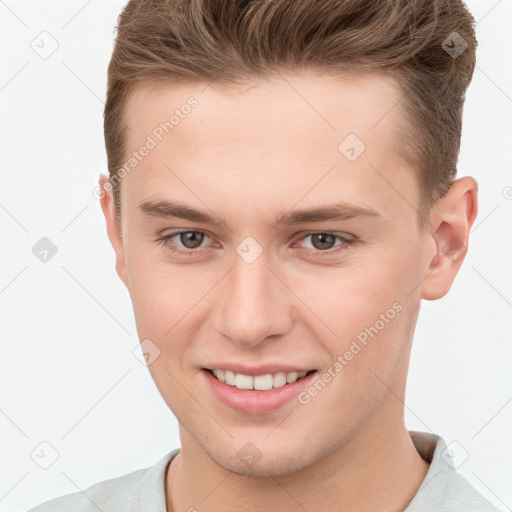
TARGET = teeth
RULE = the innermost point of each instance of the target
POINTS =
(263, 382)
(243, 381)
(230, 377)
(259, 382)
(279, 379)
(292, 377)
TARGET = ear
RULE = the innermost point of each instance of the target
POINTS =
(113, 227)
(452, 219)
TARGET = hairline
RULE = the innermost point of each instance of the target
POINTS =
(404, 127)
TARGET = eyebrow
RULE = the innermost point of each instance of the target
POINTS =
(336, 211)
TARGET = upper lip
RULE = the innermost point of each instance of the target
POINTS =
(261, 369)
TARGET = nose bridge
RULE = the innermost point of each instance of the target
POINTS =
(253, 305)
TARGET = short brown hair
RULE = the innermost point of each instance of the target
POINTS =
(235, 40)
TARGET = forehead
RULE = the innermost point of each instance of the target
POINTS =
(277, 135)
(331, 103)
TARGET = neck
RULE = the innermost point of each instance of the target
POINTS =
(377, 468)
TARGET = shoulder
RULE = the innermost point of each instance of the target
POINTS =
(443, 489)
(143, 489)
(459, 495)
(104, 495)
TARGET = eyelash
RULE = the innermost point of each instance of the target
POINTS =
(346, 242)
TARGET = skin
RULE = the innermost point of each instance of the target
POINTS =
(245, 154)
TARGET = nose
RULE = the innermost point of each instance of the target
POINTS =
(254, 304)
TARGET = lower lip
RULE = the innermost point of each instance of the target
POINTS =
(251, 401)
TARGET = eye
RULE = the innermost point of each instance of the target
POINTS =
(190, 240)
(323, 241)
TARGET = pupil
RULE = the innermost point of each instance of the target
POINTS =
(323, 242)
(191, 239)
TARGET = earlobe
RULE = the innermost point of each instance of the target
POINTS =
(113, 228)
(453, 217)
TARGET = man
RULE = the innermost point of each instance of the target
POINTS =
(281, 196)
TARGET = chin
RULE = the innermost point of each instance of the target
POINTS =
(276, 464)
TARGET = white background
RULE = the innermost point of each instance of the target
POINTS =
(67, 369)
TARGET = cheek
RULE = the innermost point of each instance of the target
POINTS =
(350, 299)
(364, 360)
(170, 305)
(161, 292)
(367, 306)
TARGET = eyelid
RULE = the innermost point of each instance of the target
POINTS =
(337, 234)
(163, 239)
(346, 241)
(346, 238)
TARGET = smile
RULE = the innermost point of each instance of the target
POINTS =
(257, 382)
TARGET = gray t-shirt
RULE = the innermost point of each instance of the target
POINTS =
(442, 490)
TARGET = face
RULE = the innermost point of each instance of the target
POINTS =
(271, 230)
